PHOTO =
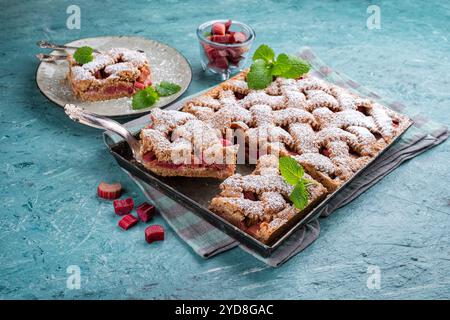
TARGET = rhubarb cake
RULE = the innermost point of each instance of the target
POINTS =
(116, 73)
(259, 203)
(330, 131)
(178, 144)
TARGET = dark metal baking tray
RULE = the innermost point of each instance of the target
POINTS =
(195, 193)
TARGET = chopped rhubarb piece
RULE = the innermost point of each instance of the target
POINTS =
(154, 233)
(145, 211)
(210, 52)
(250, 195)
(124, 206)
(226, 143)
(395, 123)
(235, 52)
(128, 221)
(222, 39)
(109, 191)
(221, 63)
(227, 25)
(218, 29)
(239, 37)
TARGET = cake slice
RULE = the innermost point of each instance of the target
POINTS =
(178, 144)
(116, 73)
(259, 203)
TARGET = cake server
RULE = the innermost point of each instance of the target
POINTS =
(78, 114)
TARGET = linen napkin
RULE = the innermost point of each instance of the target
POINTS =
(207, 241)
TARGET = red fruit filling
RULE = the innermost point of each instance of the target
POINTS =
(112, 90)
(109, 191)
(145, 211)
(154, 233)
(250, 195)
(395, 123)
(124, 206)
(253, 229)
(128, 221)
(226, 143)
(325, 152)
(139, 85)
(150, 158)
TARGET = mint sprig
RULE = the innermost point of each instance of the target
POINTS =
(293, 174)
(83, 55)
(264, 52)
(144, 98)
(165, 88)
(289, 66)
(265, 67)
(260, 75)
(149, 96)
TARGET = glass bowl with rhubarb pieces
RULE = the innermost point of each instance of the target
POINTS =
(224, 45)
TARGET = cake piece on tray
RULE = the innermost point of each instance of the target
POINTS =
(178, 144)
(116, 73)
(330, 131)
(259, 203)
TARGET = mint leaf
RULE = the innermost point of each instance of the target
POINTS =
(299, 196)
(165, 88)
(289, 66)
(260, 75)
(264, 52)
(83, 55)
(144, 98)
(281, 65)
(291, 171)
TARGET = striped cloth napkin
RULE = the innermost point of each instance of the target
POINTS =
(207, 241)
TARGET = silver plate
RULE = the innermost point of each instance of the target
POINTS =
(166, 64)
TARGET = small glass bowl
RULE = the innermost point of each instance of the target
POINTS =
(223, 58)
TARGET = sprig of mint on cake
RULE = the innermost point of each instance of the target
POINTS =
(265, 67)
(293, 174)
(149, 96)
(83, 55)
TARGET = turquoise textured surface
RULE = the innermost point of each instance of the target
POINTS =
(50, 167)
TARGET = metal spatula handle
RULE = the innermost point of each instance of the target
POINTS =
(54, 46)
(78, 114)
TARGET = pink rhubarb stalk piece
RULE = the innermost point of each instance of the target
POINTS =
(109, 191)
(154, 233)
(123, 206)
(128, 221)
(218, 29)
(145, 211)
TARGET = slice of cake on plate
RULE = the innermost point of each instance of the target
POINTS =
(116, 73)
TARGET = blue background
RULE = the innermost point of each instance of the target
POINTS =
(50, 166)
